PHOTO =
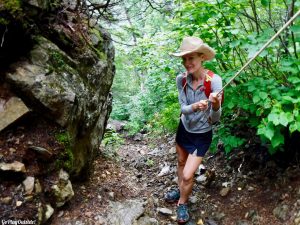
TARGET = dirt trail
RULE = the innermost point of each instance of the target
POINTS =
(251, 190)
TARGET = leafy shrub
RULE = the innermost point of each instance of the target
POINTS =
(111, 142)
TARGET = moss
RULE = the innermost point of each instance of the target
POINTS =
(97, 48)
(10, 9)
(57, 59)
(13, 6)
(4, 22)
(59, 62)
(66, 158)
(97, 33)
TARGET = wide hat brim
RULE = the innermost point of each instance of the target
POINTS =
(207, 51)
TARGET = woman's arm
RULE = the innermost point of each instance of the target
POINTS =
(216, 86)
(184, 106)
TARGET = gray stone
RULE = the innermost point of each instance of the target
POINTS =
(172, 150)
(74, 92)
(225, 191)
(138, 137)
(281, 212)
(251, 214)
(42, 151)
(111, 195)
(37, 186)
(49, 212)
(116, 125)
(219, 216)
(15, 167)
(125, 213)
(38, 4)
(146, 220)
(210, 222)
(62, 190)
(165, 211)
(164, 171)
(250, 188)
(6, 200)
(28, 185)
(63, 175)
(12, 110)
(193, 199)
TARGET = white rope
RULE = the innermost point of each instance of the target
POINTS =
(263, 48)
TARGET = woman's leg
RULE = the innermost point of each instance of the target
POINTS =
(187, 177)
(182, 156)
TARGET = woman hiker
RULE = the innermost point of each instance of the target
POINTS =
(194, 133)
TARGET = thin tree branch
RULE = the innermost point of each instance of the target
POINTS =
(3, 36)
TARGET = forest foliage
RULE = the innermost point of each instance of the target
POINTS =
(262, 102)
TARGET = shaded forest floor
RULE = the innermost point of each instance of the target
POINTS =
(247, 187)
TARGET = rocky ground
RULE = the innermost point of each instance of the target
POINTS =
(128, 183)
(247, 187)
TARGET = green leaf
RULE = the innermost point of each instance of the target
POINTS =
(283, 119)
(265, 3)
(234, 43)
(294, 80)
(268, 131)
(251, 88)
(278, 139)
(263, 95)
(289, 116)
(296, 112)
(294, 127)
(256, 99)
(295, 28)
(274, 118)
(230, 105)
(235, 31)
(287, 98)
(167, 69)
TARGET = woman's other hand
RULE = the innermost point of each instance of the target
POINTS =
(200, 106)
(215, 100)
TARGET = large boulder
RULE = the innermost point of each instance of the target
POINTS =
(62, 70)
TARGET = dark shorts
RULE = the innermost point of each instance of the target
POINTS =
(193, 143)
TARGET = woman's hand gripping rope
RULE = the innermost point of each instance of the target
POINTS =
(200, 106)
(215, 100)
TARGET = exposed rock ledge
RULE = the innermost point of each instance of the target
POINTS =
(56, 67)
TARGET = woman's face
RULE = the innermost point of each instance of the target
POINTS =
(192, 62)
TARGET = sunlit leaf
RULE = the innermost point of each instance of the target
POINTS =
(269, 131)
(274, 118)
(256, 98)
(263, 95)
(283, 119)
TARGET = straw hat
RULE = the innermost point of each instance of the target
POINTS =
(195, 44)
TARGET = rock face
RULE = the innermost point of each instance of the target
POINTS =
(62, 72)
(11, 111)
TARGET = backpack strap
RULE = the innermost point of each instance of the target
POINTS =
(183, 81)
(206, 84)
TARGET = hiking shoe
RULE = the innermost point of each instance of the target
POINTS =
(172, 196)
(182, 213)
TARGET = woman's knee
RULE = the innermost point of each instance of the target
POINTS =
(187, 177)
(181, 161)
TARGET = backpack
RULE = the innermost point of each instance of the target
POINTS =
(206, 84)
